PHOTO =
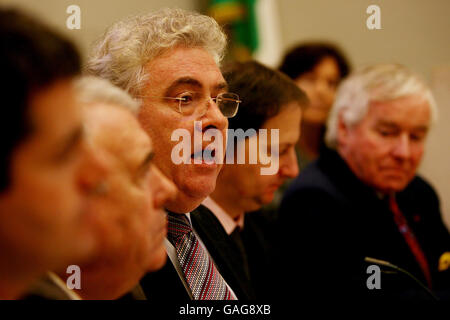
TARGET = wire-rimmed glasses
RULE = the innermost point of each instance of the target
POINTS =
(195, 103)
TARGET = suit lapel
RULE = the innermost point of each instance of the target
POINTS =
(164, 284)
(225, 253)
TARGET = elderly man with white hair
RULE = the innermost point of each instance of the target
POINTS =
(169, 60)
(362, 198)
(127, 207)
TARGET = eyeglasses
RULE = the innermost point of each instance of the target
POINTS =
(195, 103)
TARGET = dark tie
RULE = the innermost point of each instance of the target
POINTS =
(410, 238)
(199, 271)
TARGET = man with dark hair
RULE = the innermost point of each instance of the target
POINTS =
(27, 71)
(270, 108)
(46, 169)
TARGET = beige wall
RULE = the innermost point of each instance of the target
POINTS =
(414, 32)
(96, 15)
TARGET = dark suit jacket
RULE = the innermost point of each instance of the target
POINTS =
(166, 284)
(258, 238)
(226, 252)
(244, 258)
(329, 221)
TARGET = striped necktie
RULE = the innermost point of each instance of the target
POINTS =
(410, 239)
(199, 271)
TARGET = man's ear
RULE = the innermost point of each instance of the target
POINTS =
(342, 131)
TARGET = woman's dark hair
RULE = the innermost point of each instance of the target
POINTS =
(263, 91)
(305, 57)
(32, 57)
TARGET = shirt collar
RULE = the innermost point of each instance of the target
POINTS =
(227, 222)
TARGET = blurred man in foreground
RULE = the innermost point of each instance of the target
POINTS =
(47, 172)
(364, 199)
(131, 242)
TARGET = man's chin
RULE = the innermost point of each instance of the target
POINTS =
(268, 197)
(392, 186)
(187, 201)
(200, 187)
(192, 190)
(157, 260)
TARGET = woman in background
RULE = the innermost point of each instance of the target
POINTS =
(317, 68)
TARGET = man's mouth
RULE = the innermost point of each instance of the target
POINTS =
(396, 170)
(206, 156)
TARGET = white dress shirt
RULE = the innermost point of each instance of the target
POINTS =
(227, 222)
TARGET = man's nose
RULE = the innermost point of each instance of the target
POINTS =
(402, 147)
(214, 117)
(289, 165)
(164, 189)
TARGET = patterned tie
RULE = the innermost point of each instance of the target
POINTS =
(410, 239)
(201, 274)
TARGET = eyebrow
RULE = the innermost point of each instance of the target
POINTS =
(222, 86)
(195, 83)
(386, 124)
(421, 128)
(69, 143)
(393, 125)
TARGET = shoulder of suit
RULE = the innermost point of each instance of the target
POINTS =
(419, 189)
(422, 184)
(314, 182)
(205, 223)
(202, 214)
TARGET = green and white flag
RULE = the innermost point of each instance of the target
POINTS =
(253, 28)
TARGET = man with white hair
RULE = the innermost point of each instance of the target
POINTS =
(169, 60)
(132, 223)
(363, 198)
(133, 202)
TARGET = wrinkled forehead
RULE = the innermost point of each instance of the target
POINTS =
(188, 66)
(412, 111)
